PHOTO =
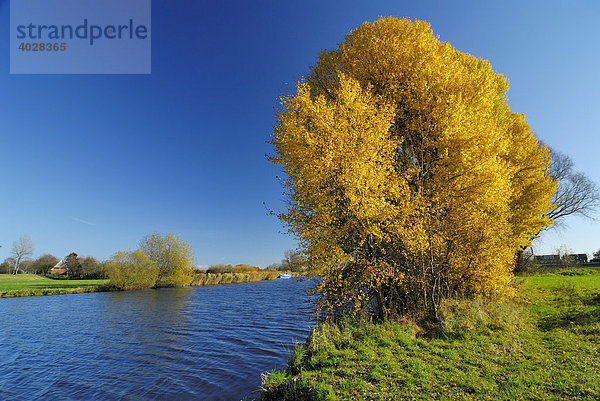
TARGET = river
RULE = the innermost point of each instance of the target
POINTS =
(199, 343)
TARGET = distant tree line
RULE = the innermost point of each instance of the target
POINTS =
(292, 261)
(160, 261)
(86, 267)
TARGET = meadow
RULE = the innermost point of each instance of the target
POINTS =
(31, 284)
(544, 345)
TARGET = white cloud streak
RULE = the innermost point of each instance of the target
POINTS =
(89, 223)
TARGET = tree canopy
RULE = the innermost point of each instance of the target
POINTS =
(409, 179)
(131, 270)
(44, 263)
(73, 265)
(173, 256)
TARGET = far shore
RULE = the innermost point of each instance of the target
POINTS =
(27, 285)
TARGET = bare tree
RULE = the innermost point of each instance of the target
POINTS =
(21, 249)
(292, 261)
(576, 193)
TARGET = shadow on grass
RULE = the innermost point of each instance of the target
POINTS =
(582, 317)
(571, 318)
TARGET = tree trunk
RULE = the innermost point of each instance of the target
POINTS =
(17, 262)
(381, 311)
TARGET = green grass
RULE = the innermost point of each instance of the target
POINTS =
(545, 347)
(31, 284)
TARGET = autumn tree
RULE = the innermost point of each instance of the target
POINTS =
(409, 179)
(131, 270)
(173, 256)
(21, 250)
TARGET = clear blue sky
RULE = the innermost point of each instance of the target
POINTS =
(92, 163)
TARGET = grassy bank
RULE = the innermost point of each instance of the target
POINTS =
(202, 279)
(23, 285)
(546, 347)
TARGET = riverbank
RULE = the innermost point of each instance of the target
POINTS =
(205, 279)
(546, 346)
(26, 285)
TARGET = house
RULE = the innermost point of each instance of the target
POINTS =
(577, 258)
(547, 259)
(59, 268)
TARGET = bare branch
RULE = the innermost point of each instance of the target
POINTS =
(21, 250)
(576, 193)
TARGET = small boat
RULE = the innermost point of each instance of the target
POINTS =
(285, 275)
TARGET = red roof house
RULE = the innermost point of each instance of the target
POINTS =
(59, 268)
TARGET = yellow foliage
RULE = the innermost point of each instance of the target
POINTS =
(131, 270)
(409, 178)
(173, 256)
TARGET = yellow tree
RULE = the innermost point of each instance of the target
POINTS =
(409, 178)
(173, 256)
(131, 270)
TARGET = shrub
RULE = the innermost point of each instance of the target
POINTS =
(173, 256)
(221, 268)
(577, 272)
(131, 270)
(202, 279)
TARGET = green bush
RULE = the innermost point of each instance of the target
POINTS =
(577, 272)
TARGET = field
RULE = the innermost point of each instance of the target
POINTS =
(543, 346)
(31, 284)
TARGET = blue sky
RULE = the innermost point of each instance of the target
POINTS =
(92, 163)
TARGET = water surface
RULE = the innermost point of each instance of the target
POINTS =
(200, 343)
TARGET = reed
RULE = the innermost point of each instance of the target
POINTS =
(203, 279)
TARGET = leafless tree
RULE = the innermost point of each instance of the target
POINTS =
(292, 261)
(576, 193)
(21, 249)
